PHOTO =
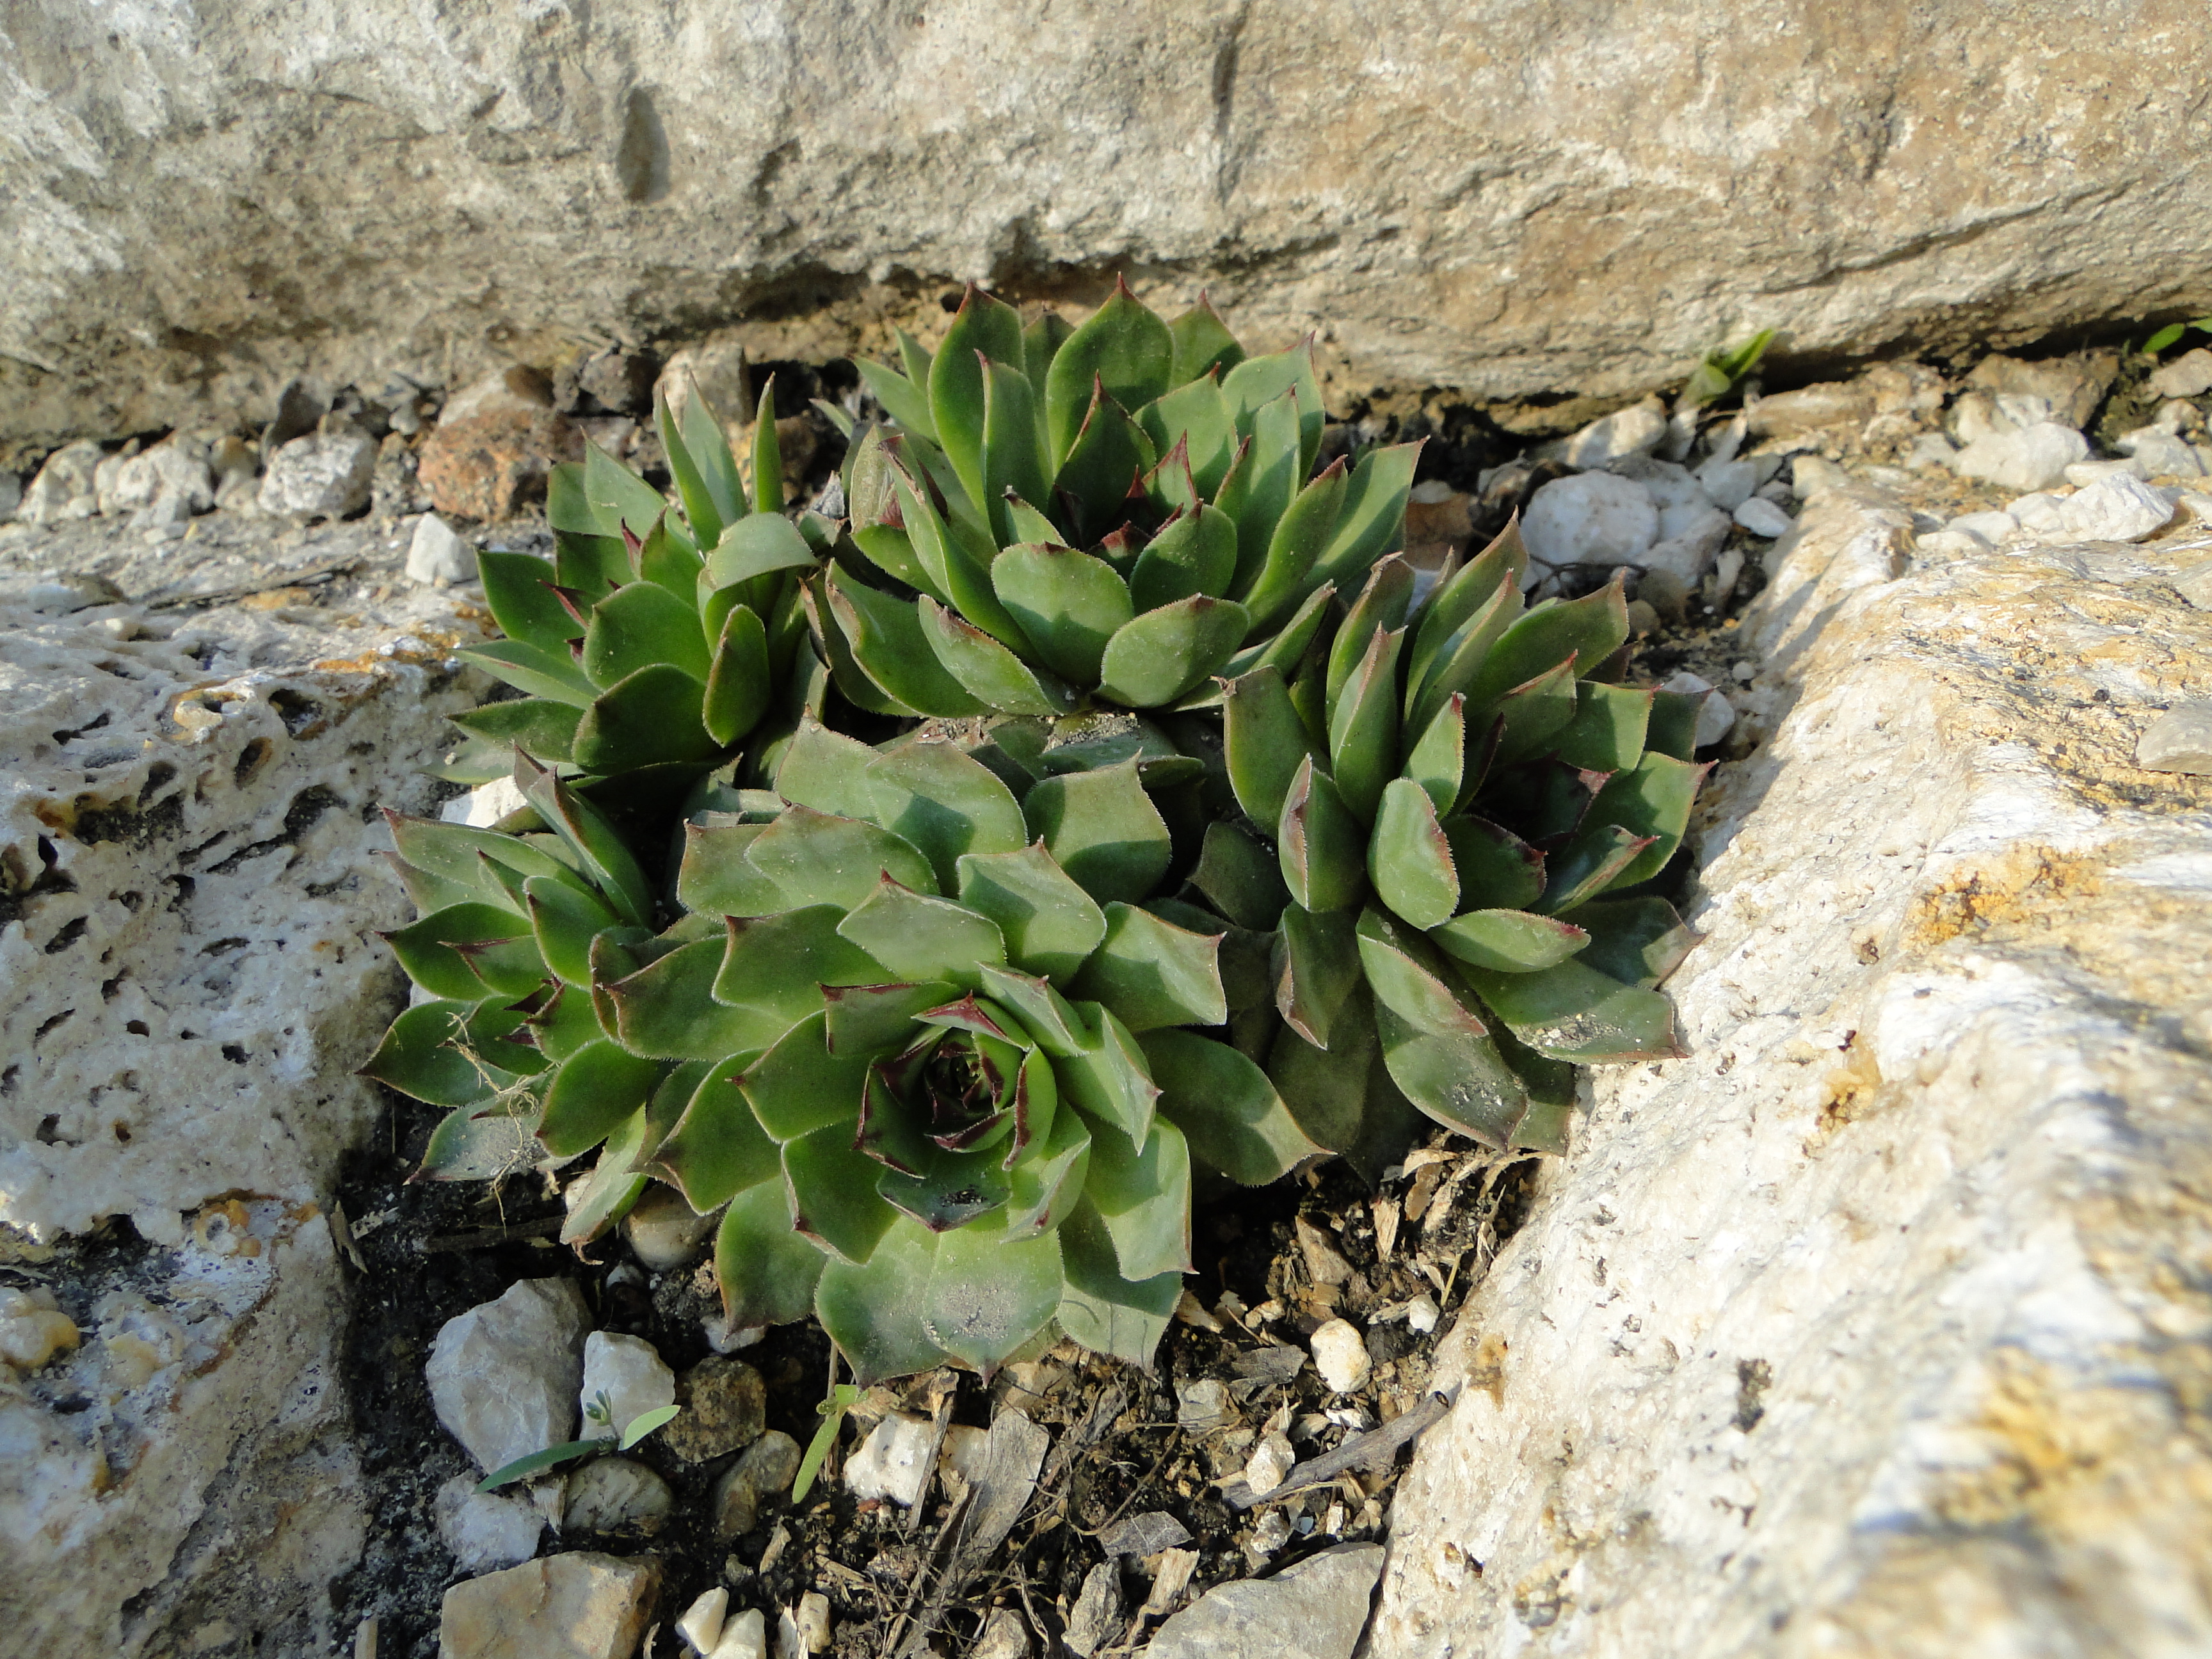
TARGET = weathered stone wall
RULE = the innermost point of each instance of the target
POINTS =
(1880, 1325)
(1516, 198)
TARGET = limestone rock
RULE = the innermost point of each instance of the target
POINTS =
(1593, 520)
(1316, 1608)
(2194, 584)
(485, 1530)
(2071, 387)
(1270, 1464)
(812, 1619)
(725, 1406)
(493, 446)
(437, 556)
(32, 1329)
(702, 1623)
(1810, 409)
(62, 488)
(614, 1494)
(2032, 458)
(1635, 430)
(2189, 375)
(578, 1606)
(2179, 740)
(893, 1462)
(1927, 1394)
(11, 495)
(503, 1376)
(1763, 518)
(2114, 509)
(1857, 205)
(625, 1377)
(186, 893)
(2159, 453)
(320, 475)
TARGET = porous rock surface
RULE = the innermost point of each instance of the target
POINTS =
(1547, 195)
(1879, 1325)
(186, 796)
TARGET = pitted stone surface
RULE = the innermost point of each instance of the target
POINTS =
(186, 811)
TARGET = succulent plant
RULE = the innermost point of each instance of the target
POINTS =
(659, 639)
(1466, 812)
(1112, 514)
(922, 1034)
(1173, 865)
(501, 955)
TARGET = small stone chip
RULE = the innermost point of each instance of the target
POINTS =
(1145, 1534)
(2179, 740)
(1271, 1464)
(1340, 1356)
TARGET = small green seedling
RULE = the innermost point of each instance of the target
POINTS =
(842, 1399)
(2171, 332)
(1722, 371)
(569, 1451)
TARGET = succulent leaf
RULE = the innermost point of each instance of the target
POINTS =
(1256, 382)
(717, 1148)
(1304, 528)
(1363, 731)
(874, 1314)
(1371, 524)
(990, 1293)
(653, 717)
(1150, 973)
(984, 331)
(777, 966)
(1509, 941)
(1159, 656)
(1100, 1309)
(1102, 830)
(1050, 925)
(1203, 344)
(768, 1270)
(1124, 347)
(1109, 454)
(1409, 857)
(986, 669)
(1068, 605)
(533, 670)
(1322, 844)
(832, 1186)
(1226, 1109)
(917, 937)
(1197, 420)
(1573, 1011)
(1142, 1193)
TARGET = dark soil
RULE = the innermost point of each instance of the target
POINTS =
(431, 1251)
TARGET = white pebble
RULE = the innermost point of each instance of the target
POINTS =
(2115, 509)
(1340, 1356)
(1763, 518)
(1270, 1465)
(438, 555)
(1716, 717)
(2179, 740)
(702, 1623)
(1422, 1314)
(631, 1376)
(893, 1462)
(1594, 520)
